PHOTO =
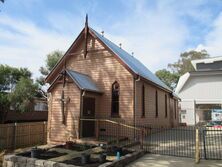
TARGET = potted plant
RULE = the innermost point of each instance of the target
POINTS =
(102, 158)
(35, 152)
(69, 144)
(85, 158)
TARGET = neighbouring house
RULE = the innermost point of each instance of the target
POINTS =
(38, 112)
(201, 92)
(97, 79)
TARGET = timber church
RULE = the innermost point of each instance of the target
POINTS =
(96, 79)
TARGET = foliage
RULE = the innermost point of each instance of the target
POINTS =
(170, 77)
(184, 65)
(21, 99)
(51, 61)
(9, 76)
(16, 89)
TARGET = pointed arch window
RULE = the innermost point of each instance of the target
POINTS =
(115, 99)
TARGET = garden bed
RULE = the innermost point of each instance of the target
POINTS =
(43, 154)
(76, 147)
(81, 156)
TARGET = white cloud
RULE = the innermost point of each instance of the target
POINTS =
(23, 44)
(213, 39)
(155, 31)
(156, 36)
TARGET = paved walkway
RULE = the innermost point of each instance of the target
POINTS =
(154, 160)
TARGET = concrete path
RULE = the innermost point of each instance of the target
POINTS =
(154, 160)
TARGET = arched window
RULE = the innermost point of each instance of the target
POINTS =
(115, 99)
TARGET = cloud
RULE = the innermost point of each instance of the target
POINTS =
(156, 31)
(156, 36)
(24, 44)
(212, 42)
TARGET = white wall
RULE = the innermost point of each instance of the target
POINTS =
(201, 89)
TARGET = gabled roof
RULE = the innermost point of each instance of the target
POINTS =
(135, 65)
(128, 60)
(205, 61)
(83, 81)
(184, 78)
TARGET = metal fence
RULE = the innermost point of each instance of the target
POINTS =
(211, 143)
(178, 141)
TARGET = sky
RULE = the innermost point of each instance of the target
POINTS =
(157, 31)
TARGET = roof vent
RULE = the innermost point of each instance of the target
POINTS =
(120, 45)
(102, 32)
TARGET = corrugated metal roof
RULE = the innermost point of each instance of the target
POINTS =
(134, 64)
(83, 81)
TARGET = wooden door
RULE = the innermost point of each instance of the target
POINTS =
(88, 127)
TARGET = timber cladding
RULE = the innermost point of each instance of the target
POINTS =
(104, 69)
(57, 130)
(150, 117)
(17, 135)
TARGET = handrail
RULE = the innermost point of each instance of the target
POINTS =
(110, 121)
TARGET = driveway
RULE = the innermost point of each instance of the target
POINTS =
(155, 160)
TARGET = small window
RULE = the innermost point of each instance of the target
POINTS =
(157, 104)
(143, 101)
(183, 116)
(115, 99)
(166, 106)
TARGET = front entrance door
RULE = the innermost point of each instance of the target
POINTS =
(88, 127)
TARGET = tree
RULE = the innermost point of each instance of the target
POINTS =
(51, 61)
(170, 77)
(9, 76)
(184, 65)
(21, 99)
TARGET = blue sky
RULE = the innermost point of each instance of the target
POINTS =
(157, 31)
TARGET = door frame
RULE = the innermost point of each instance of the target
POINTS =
(82, 116)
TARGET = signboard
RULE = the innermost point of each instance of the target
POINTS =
(216, 114)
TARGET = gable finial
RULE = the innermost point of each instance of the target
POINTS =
(86, 21)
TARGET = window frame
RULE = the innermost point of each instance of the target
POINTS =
(143, 101)
(166, 106)
(157, 104)
(115, 100)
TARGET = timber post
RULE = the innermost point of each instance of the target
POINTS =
(97, 129)
(141, 138)
(118, 130)
(15, 134)
(197, 148)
